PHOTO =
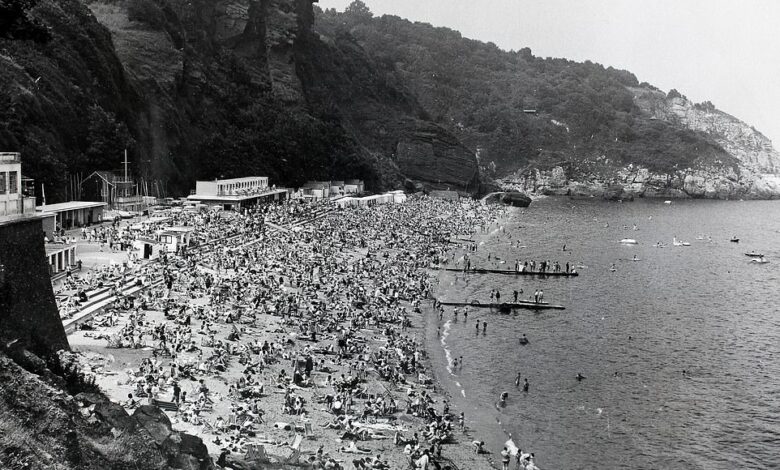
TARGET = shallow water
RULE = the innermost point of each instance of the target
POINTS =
(703, 308)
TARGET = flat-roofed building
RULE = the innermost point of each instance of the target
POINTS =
(354, 187)
(236, 193)
(316, 189)
(60, 257)
(75, 213)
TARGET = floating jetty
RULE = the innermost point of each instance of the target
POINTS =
(511, 272)
(506, 306)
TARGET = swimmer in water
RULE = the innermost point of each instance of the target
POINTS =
(504, 396)
(523, 340)
(525, 386)
(579, 377)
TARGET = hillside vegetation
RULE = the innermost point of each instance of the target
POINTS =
(205, 89)
(520, 109)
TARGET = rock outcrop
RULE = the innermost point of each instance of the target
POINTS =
(629, 182)
(42, 426)
(510, 198)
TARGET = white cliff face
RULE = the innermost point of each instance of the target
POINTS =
(759, 161)
(758, 175)
(752, 148)
(633, 181)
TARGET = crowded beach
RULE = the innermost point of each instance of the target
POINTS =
(290, 333)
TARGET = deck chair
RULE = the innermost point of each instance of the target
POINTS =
(307, 430)
(256, 452)
(296, 454)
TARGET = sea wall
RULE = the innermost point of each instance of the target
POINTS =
(28, 311)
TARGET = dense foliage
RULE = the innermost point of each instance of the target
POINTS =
(517, 108)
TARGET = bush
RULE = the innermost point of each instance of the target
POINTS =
(76, 381)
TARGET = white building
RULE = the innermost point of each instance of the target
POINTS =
(13, 200)
(236, 193)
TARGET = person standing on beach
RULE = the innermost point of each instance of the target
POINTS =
(465, 315)
(505, 459)
(484, 327)
(517, 380)
(525, 386)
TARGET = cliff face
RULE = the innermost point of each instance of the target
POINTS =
(251, 88)
(753, 174)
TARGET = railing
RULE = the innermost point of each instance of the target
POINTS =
(22, 205)
(10, 157)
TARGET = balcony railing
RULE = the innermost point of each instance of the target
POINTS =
(10, 157)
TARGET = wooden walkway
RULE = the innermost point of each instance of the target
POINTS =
(506, 306)
(511, 272)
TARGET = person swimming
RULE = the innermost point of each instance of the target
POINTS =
(504, 396)
(579, 377)
(523, 340)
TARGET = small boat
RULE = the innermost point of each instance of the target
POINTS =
(629, 241)
(659, 245)
(753, 254)
(734, 240)
(675, 242)
(667, 202)
(759, 260)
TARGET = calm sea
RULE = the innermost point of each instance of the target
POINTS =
(704, 309)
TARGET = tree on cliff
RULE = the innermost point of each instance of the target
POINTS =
(358, 11)
(16, 21)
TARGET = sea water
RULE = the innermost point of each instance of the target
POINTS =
(680, 350)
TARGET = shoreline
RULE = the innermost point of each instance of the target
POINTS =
(435, 334)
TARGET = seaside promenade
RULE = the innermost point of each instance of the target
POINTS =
(299, 337)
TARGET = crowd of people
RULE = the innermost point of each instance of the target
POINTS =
(306, 301)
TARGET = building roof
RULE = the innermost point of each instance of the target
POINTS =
(234, 180)
(69, 206)
(52, 248)
(235, 197)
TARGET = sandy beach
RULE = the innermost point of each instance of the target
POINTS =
(282, 371)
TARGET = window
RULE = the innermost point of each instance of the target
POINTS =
(2, 182)
(13, 182)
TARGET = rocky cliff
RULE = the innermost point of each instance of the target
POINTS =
(44, 426)
(206, 89)
(752, 173)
